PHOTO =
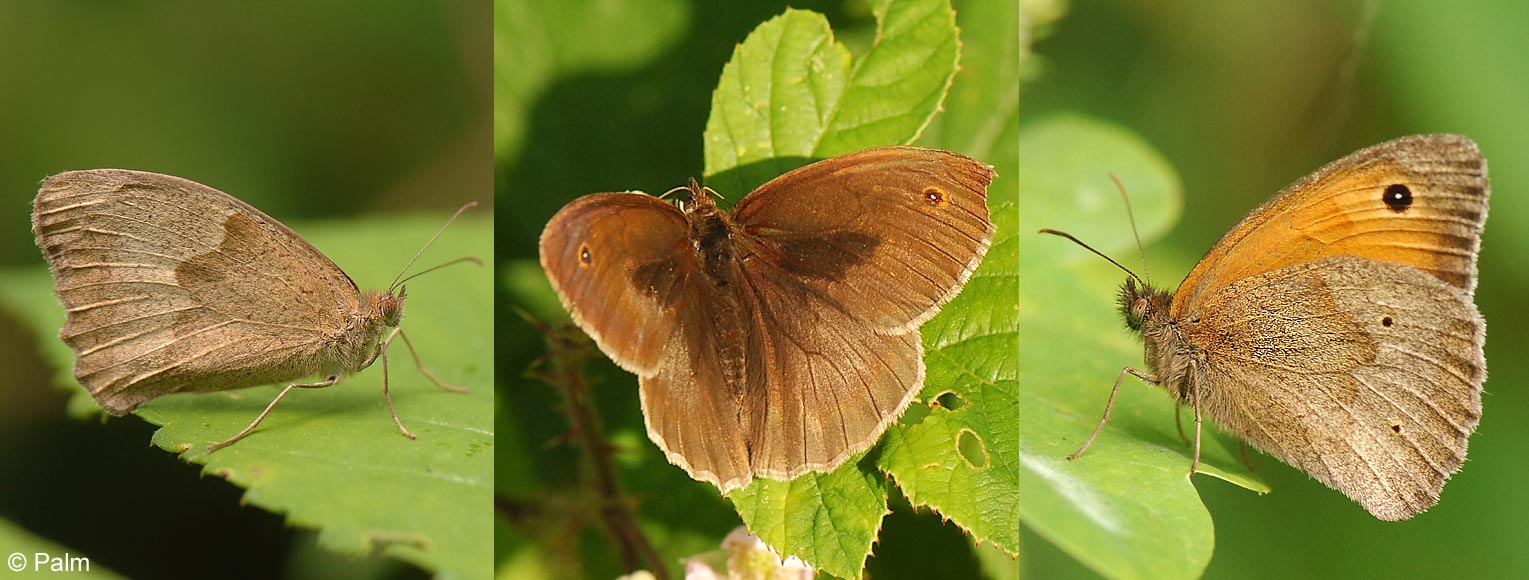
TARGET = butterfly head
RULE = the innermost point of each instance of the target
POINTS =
(389, 307)
(361, 338)
(700, 202)
(382, 310)
(1141, 304)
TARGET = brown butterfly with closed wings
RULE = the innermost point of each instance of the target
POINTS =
(172, 286)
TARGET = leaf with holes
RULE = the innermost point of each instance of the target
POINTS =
(962, 459)
(791, 95)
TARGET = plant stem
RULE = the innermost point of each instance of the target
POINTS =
(568, 349)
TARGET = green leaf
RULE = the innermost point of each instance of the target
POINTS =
(1126, 508)
(791, 94)
(969, 348)
(828, 520)
(331, 458)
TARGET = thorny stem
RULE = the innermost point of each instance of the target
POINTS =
(567, 351)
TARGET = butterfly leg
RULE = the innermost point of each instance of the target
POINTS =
(1242, 449)
(230, 441)
(1178, 424)
(1109, 405)
(421, 367)
(1195, 464)
(383, 349)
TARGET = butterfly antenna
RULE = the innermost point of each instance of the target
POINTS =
(396, 279)
(1099, 253)
(437, 267)
(695, 189)
(674, 189)
(713, 193)
(1132, 217)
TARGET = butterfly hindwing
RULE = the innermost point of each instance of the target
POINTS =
(1365, 375)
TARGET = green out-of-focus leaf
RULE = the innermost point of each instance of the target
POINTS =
(331, 459)
(1126, 508)
(31, 555)
(535, 41)
(1067, 166)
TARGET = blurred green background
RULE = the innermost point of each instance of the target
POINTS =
(597, 97)
(306, 110)
(1244, 98)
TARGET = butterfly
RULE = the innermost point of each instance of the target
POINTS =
(1335, 327)
(175, 287)
(781, 337)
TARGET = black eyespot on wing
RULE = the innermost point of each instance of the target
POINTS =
(1398, 197)
(935, 197)
(1386, 322)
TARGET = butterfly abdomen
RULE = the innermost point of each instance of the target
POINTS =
(711, 236)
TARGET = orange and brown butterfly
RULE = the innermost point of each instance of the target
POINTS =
(782, 337)
(1335, 327)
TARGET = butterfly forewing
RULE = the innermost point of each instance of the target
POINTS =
(887, 234)
(620, 263)
(156, 274)
(1419, 201)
